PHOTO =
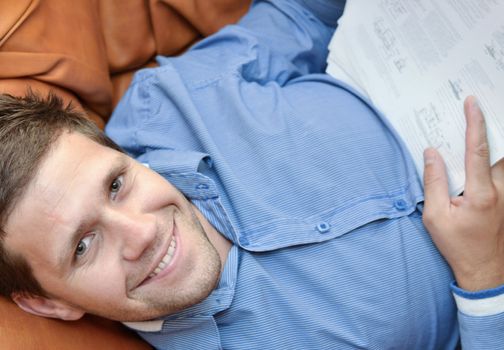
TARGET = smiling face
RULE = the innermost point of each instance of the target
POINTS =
(106, 235)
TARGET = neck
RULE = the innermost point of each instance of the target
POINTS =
(220, 243)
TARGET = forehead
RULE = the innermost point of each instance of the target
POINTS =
(73, 162)
(57, 195)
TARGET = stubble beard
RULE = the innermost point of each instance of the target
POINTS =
(204, 279)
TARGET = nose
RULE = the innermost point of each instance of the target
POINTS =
(135, 231)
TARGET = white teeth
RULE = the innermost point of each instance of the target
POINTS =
(171, 248)
(166, 259)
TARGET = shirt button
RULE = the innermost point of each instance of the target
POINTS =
(400, 204)
(202, 187)
(323, 227)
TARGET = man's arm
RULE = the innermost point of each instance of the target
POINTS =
(276, 41)
(469, 232)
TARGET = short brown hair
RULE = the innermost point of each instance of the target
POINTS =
(29, 126)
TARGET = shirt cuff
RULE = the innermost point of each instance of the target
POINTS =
(486, 302)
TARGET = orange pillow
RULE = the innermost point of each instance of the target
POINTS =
(20, 330)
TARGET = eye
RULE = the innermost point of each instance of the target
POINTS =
(115, 186)
(83, 245)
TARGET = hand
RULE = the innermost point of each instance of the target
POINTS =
(468, 229)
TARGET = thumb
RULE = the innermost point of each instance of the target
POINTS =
(435, 182)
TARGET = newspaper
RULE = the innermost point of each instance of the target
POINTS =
(417, 60)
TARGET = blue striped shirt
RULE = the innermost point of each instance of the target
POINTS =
(315, 190)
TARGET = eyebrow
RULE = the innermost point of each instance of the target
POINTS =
(119, 164)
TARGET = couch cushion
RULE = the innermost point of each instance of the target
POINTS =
(78, 45)
(20, 330)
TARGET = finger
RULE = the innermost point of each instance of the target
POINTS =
(436, 193)
(477, 156)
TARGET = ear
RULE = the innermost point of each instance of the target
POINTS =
(46, 307)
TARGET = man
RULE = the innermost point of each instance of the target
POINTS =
(270, 207)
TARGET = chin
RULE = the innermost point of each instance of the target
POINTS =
(157, 304)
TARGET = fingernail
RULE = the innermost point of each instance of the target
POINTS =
(429, 156)
(475, 105)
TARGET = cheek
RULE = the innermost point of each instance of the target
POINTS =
(104, 284)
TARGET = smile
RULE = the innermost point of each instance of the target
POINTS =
(166, 260)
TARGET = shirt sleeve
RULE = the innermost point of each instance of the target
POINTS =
(277, 40)
(481, 317)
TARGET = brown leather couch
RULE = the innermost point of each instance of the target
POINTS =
(87, 51)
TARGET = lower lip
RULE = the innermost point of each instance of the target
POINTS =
(173, 261)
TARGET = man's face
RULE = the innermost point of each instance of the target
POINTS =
(106, 235)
